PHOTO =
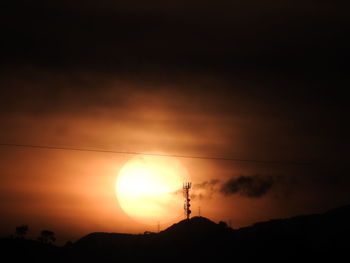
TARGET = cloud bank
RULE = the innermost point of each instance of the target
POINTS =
(254, 186)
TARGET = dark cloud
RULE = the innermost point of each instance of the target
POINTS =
(203, 35)
(253, 186)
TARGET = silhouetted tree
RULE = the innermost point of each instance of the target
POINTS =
(47, 237)
(21, 231)
(68, 244)
(223, 224)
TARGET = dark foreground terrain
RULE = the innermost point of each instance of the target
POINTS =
(312, 237)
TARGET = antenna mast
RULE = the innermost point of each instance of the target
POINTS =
(186, 191)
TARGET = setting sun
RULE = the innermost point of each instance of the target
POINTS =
(148, 188)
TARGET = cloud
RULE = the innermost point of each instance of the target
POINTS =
(205, 189)
(206, 184)
(97, 35)
(252, 186)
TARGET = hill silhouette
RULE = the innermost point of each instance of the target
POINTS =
(313, 237)
(194, 228)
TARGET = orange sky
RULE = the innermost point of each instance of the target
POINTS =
(253, 80)
(72, 193)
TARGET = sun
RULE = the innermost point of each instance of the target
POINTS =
(149, 188)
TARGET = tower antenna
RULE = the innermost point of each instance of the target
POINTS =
(187, 205)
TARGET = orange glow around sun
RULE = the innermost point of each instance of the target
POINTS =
(148, 188)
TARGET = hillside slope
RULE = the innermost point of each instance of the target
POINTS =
(313, 237)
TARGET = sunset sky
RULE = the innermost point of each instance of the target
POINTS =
(254, 80)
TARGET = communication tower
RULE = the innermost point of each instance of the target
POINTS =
(187, 205)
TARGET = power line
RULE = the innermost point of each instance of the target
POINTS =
(153, 154)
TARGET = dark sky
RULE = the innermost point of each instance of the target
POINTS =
(291, 36)
(262, 80)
